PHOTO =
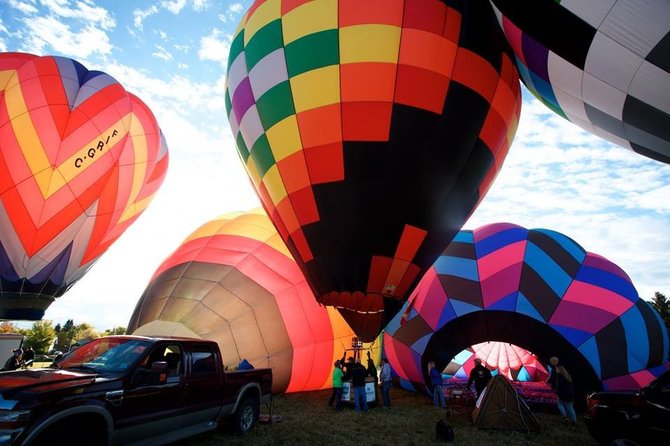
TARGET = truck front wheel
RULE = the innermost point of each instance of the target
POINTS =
(246, 415)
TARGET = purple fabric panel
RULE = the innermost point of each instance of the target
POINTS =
(536, 57)
(581, 317)
(599, 262)
(501, 284)
(243, 99)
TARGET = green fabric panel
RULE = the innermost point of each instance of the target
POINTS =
(236, 47)
(313, 51)
(229, 103)
(242, 148)
(275, 105)
(265, 41)
(262, 155)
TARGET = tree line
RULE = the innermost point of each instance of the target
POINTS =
(43, 336)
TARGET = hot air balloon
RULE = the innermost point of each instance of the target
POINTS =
(602, 65)
(371, 131)
(516, 363)
(234, 282)
(537, 289)
(80, 160)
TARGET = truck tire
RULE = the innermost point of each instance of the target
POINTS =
(246, 416)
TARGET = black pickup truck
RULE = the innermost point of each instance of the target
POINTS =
(129, 390)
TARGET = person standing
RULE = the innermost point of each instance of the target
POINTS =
(14, 362)
(358, 374)
(436, 381)
(480, 375)
(28, 356)
(385, 378)
(336, 396)
(561, 381)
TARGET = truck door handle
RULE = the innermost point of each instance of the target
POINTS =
(115, 397)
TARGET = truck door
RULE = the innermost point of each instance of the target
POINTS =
(204, 385)
(151, 403)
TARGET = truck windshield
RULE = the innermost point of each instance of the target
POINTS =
(105, 355)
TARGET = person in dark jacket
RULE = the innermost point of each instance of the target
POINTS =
(14, 362)
(28, 356)
(358, 374)
(561, 381)
(480, 375)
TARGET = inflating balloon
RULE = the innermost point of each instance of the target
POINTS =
(371, 131)
(537, 289)
(602, 65)
(234, 282)
(80, 160)
(516, 363)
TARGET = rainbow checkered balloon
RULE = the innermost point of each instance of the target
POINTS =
(370, 130)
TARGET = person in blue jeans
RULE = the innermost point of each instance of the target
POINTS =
(436, 381)
(561, 382)
(385, 378)
(358, 374)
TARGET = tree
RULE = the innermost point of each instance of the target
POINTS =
(662, 305)
(115, 331)
(84, 332)
(7, 327)
(41, 336)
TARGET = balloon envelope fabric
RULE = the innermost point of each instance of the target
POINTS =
(516, 363)
(371, 131)
(603, 65)
(80, 160)
(234, 282)
(537, 289)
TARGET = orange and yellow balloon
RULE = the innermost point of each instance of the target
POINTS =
(80, 160)
(234, 281)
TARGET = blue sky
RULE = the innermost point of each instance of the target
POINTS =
(173, 55)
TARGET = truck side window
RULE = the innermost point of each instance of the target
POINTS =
(203, 360)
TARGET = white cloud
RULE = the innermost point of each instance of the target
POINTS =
(85, 10)
(232, 13)
(49, 32)
(214, 47)
(24, 7)
(140, 14)
(174, 6)
(162, 53)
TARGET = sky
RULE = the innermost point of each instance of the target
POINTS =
(173, 55)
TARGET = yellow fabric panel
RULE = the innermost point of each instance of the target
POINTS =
(284, 138)
(26, 134)
(135, 208)
(264, 14)
(253, 172)
(274, 184)
(5, 75)
(316, 88)
(309, 18)
(278, 244)
(140, 152)
(369, 43)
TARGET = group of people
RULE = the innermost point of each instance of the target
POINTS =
(354, 371)
(19, 358)
(559, 379)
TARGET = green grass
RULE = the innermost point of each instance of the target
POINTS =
(307, 420)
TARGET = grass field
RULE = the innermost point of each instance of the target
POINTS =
(306, 419)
